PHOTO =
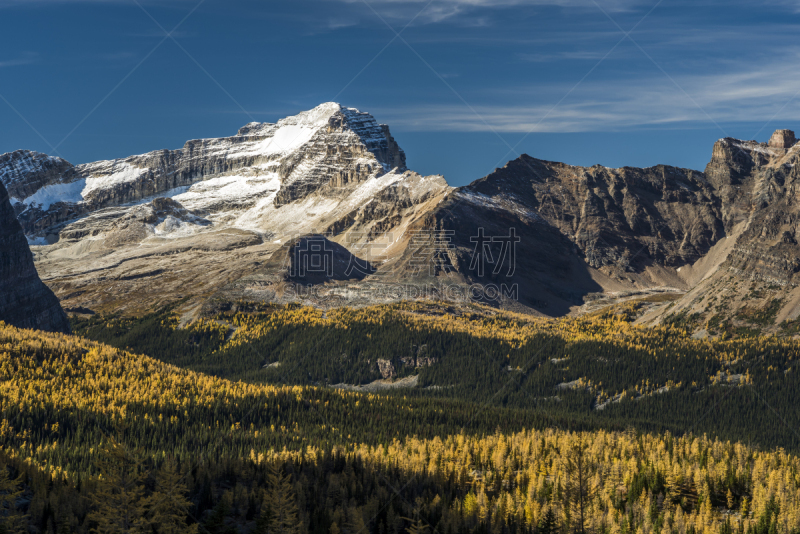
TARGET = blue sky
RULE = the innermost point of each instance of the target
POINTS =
(467, 85)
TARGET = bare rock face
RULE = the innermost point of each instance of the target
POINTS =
(314, 259)
(624, 219)
(766, 202)
(782, 139)
(386, 368)
(730, 163)
(25, 301)
(25, 172)
(758, 266)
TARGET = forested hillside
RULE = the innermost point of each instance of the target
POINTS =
(95, 439)
(598, 370)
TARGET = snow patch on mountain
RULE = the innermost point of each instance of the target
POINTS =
(500, 202)
(120, 173)
(369, 189)
(51, 194)
(228, 189)
(293, 219)
(81, 189)
(288, 134)
(285, 139)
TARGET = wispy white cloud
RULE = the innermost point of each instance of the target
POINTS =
(465, 10)
(609, 4)
(754, 93)
(337, 23)
(25, 59)
(35, 3)
(546, 57)
(450, 10)
(792, 5)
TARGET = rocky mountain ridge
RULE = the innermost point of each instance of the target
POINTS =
(754, 282)
(218, 219)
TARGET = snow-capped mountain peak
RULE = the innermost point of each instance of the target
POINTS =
(323, 152)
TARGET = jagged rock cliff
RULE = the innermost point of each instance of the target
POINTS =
(623, 219)
(755, 270)
(762, 201)
(25, 301)
(25, 172)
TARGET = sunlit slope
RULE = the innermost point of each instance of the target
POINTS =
(600, 369)
(60, 396)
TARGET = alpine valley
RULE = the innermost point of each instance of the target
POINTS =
(287, 331)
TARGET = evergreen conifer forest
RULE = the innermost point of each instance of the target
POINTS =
(513, 424)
